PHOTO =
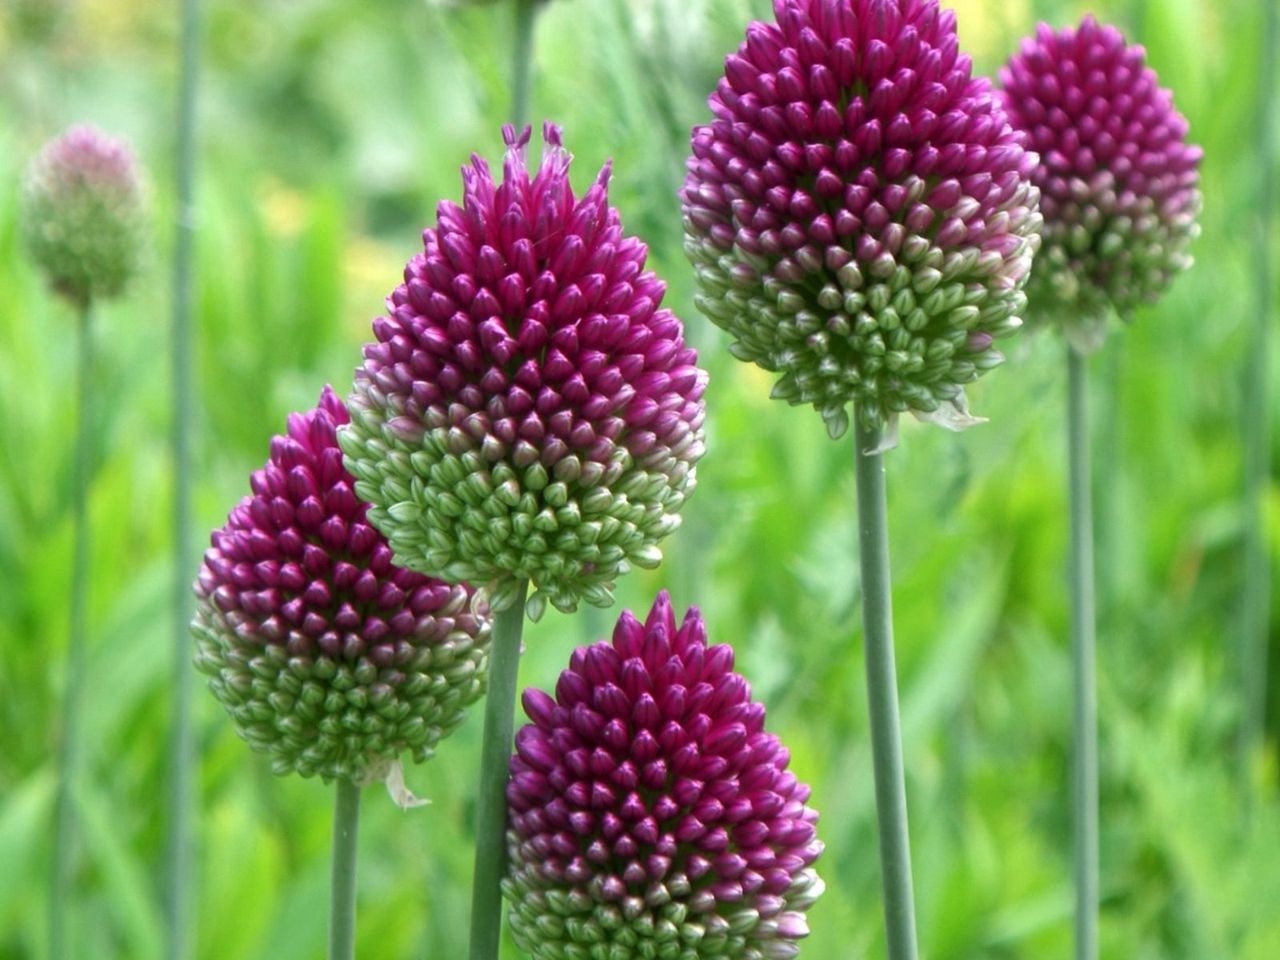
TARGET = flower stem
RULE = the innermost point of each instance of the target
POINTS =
(1085, 709)
(180, 841)
(342, 897)
(522, 62)
(69, 754)
(491, 807)
(1256, 598)
(882, 697)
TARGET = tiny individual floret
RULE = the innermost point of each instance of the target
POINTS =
(528, 411)
(327, 656)
(651, 815)
(1119, 184)
(859, 212)
(83, 214)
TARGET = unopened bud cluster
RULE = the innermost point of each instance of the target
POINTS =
(1119, 183)
(83, 214)
(528, 411)
(651, 814)
(859, 213)
(327, 656)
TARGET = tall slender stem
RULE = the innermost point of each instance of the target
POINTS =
(1085, 706)
(491, 807)
(342, 891)
(1256, 598)
(180, 842)
(522, 62)
(882, 697)
(69, 752)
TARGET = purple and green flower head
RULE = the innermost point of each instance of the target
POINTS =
(860, 213)
(528, 410)
(1119, 183)
(327, 656)
(651, 814)
(83, 214)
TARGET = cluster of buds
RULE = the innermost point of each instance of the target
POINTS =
(651, 815)
(83, 214)
(860, 213)
(1118, 181)
(528, 411)
(326, 655)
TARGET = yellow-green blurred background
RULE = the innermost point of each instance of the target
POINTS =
(329, 129)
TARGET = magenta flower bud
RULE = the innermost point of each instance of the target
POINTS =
(650, 812)
(327, 656)
(528, 411)
(859, 208)
(1119, 183)
(82, 214)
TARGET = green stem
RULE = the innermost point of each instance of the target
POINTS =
(1256, 597)
(69, 754)
(1083, 643)
(342, 897)
(882, 697)
(180, 841)
(522, 62)
(491, 806)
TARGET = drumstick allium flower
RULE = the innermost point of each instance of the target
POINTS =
(327, 656)
(859, 213)
(83, 214)
(651, 814)
(528, 410)
(1119, 183)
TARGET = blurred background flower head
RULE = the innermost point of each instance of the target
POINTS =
(1119, 183)
(83, 214)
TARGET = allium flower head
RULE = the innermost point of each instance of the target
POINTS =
(528, 410)
(859, 212)
(327, 656)
(651, 815)
(1118, 181)
(82, 214)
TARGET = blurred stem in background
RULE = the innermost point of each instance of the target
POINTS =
(522, 63)
(180, 842)
(1085, 709)
(69, 752)
(342, 894)
(882, 696)
(495, 759)
(1256, 598)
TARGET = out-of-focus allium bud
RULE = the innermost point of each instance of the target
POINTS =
(328, 657)
(82, 214)
(528, 410)
(650, 813)
(859, 213)
(1118, 181)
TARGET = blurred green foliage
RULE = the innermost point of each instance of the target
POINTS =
(329, 130)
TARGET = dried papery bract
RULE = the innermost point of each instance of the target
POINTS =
(859, 212)
(528, 412)
(328, 657)
(83, 220)
(651, 814)
(1119, 182)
